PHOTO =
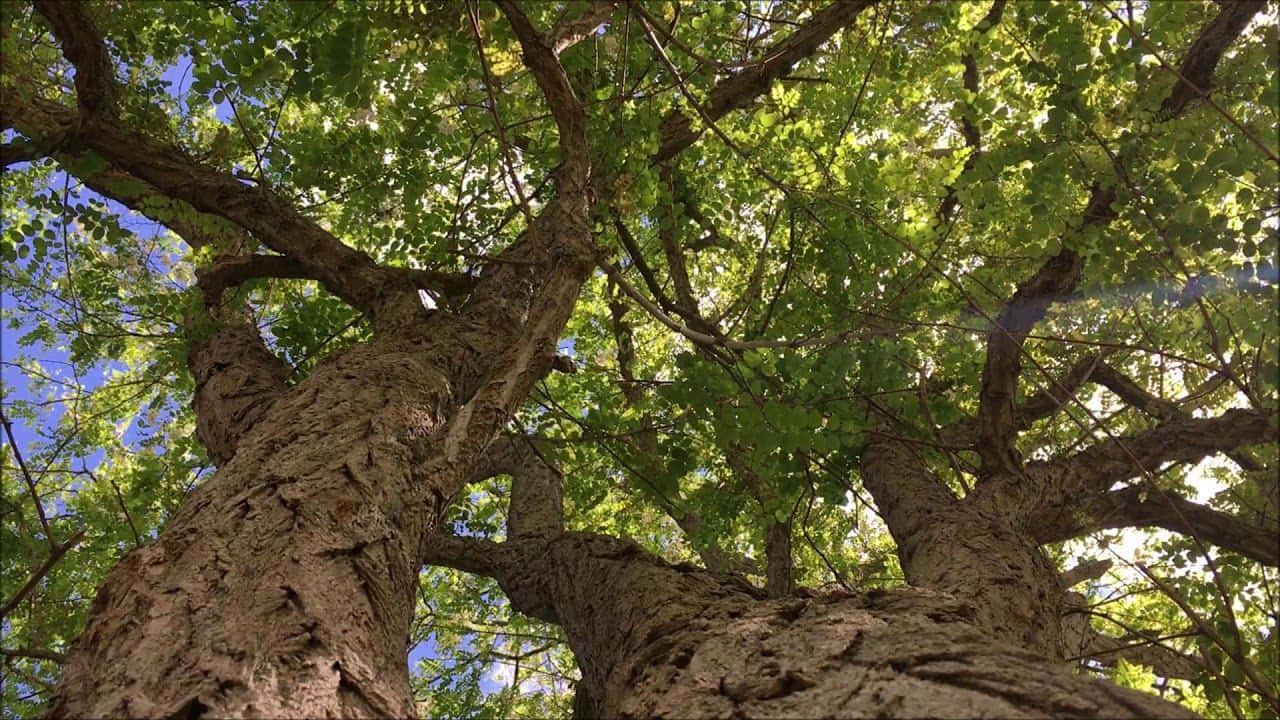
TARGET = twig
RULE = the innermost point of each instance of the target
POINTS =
(59, 549)
(31, 483)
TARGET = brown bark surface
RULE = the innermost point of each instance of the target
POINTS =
(978, 556)
(284, 586)
(661, 641)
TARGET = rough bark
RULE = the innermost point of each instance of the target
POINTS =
(1143, 507)
(284, 586)
(981, 558)
(236, 381)
(662, 641)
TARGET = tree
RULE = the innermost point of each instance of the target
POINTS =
(1006, 269)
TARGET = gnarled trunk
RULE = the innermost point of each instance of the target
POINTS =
(973, 554)
(661, 641)
(284, 587)
(655, 640)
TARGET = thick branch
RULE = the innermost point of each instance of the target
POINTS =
(236, 270)
(656, 640)
(1140, 507)
(1043, 404)
(237, 380)
(676, 269)
(1055, 279)
(18, 151)
(537, 504)
(571, 32)
(910, 498)
(1196, 73)
(1049, 400)
(1106, 650)
(507, 330)
(713, 557)
(1088, 570)
(779, 563)
(1060, 483)
(1158, 408)
(570, 116)
(95, 73)
(741, 89)
(1058, 277)
(347, 273)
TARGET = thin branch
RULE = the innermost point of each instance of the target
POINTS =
(517, 187)
(29, 480)
(1233, 651)
(59, 549)
(701, 338)
(738, 91)
(34, 654)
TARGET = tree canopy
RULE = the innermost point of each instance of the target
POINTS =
(1023, 240)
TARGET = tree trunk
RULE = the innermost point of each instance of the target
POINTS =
(970, 552)
(661, 641)
(655, 640)
(285, 586)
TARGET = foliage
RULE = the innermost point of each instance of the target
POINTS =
(808, 225)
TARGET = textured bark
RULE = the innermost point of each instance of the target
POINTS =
(1142, 507)
(980, 557)
(662, 641)
(779, 580)
(284, 586)
(236, 381)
